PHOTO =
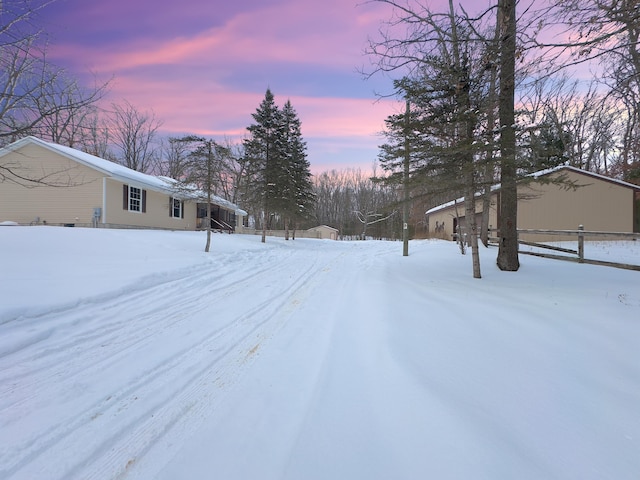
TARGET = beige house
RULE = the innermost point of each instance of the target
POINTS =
(599, 204)
(57, 185)
(321, 232)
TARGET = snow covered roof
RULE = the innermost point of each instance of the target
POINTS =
(119, 172)
(457, 200)
(542, 173)
(539, 174)
(325, 227)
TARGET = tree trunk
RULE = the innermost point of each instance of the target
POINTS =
(405, 187)
(470, 223)
(466, 129)
(458, 231)
(488, 171)
(208, 244)
(508, 250)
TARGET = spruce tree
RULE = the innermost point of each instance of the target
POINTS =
(299, 188)
(265, 150)
(277, 167)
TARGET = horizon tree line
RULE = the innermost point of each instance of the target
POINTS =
(490, 99)
(456, 83)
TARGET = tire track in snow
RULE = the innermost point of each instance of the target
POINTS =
(75, 315)
(189, 393)
(111, 329)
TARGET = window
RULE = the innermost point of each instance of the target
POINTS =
(135, 199)
(176, 208)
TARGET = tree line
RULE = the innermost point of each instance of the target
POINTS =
(492, 97)
(489, 98)
(267, 173)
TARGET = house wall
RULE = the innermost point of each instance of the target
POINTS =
(597, 204)
(322, 232)
(326, 234)
(441, 223)
(81, 191)
(72, 203)
(157, 210)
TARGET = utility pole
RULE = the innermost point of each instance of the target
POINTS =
(405, 180)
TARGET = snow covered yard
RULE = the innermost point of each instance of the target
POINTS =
(621, 251)
(133, 354)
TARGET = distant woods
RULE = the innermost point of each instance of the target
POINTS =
(484, 97)
(495, 94)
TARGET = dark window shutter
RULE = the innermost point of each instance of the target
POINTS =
(171, 206)
(144, 201)
(125, 197)
(181, 209)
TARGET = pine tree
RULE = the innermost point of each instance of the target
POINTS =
(278, 170)
(265, 150)
(299, 188)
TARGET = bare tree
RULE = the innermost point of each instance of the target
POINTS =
(232, 167)
(443, 53)
(580, 125)
(175, 158)
(133, 133)
(334, 202)
(70, 124)
(199, 179)
(96, 140)
(352, 201)
(606, 32)
(35, 95)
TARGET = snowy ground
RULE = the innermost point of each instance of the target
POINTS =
(135, 355)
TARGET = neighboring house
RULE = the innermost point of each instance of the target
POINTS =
(321, 232)
(85, 190)
(599, 204)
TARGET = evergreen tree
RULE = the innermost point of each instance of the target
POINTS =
(299, 187)
(545, 146)
(277, 167)
(265, 150)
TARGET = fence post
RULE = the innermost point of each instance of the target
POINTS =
(580, 244)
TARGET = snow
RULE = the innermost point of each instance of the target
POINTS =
(134, 354)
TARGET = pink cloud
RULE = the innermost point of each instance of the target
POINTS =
(185, 79)
(323, 33)
(220, 111)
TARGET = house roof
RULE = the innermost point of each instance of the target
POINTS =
(118, 172)
(326, 227)
(543, 173)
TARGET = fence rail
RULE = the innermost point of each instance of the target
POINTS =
(581, 234)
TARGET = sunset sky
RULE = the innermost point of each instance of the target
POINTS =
(203, 66)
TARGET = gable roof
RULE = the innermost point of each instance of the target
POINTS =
(114, 170)
(325, 227)
(543, 173)
(587, 173)
(118, 172)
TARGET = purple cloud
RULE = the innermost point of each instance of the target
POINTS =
(203, 67)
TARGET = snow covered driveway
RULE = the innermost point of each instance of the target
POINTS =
(135, 355)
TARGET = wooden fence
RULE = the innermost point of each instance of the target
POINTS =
(576, 255)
